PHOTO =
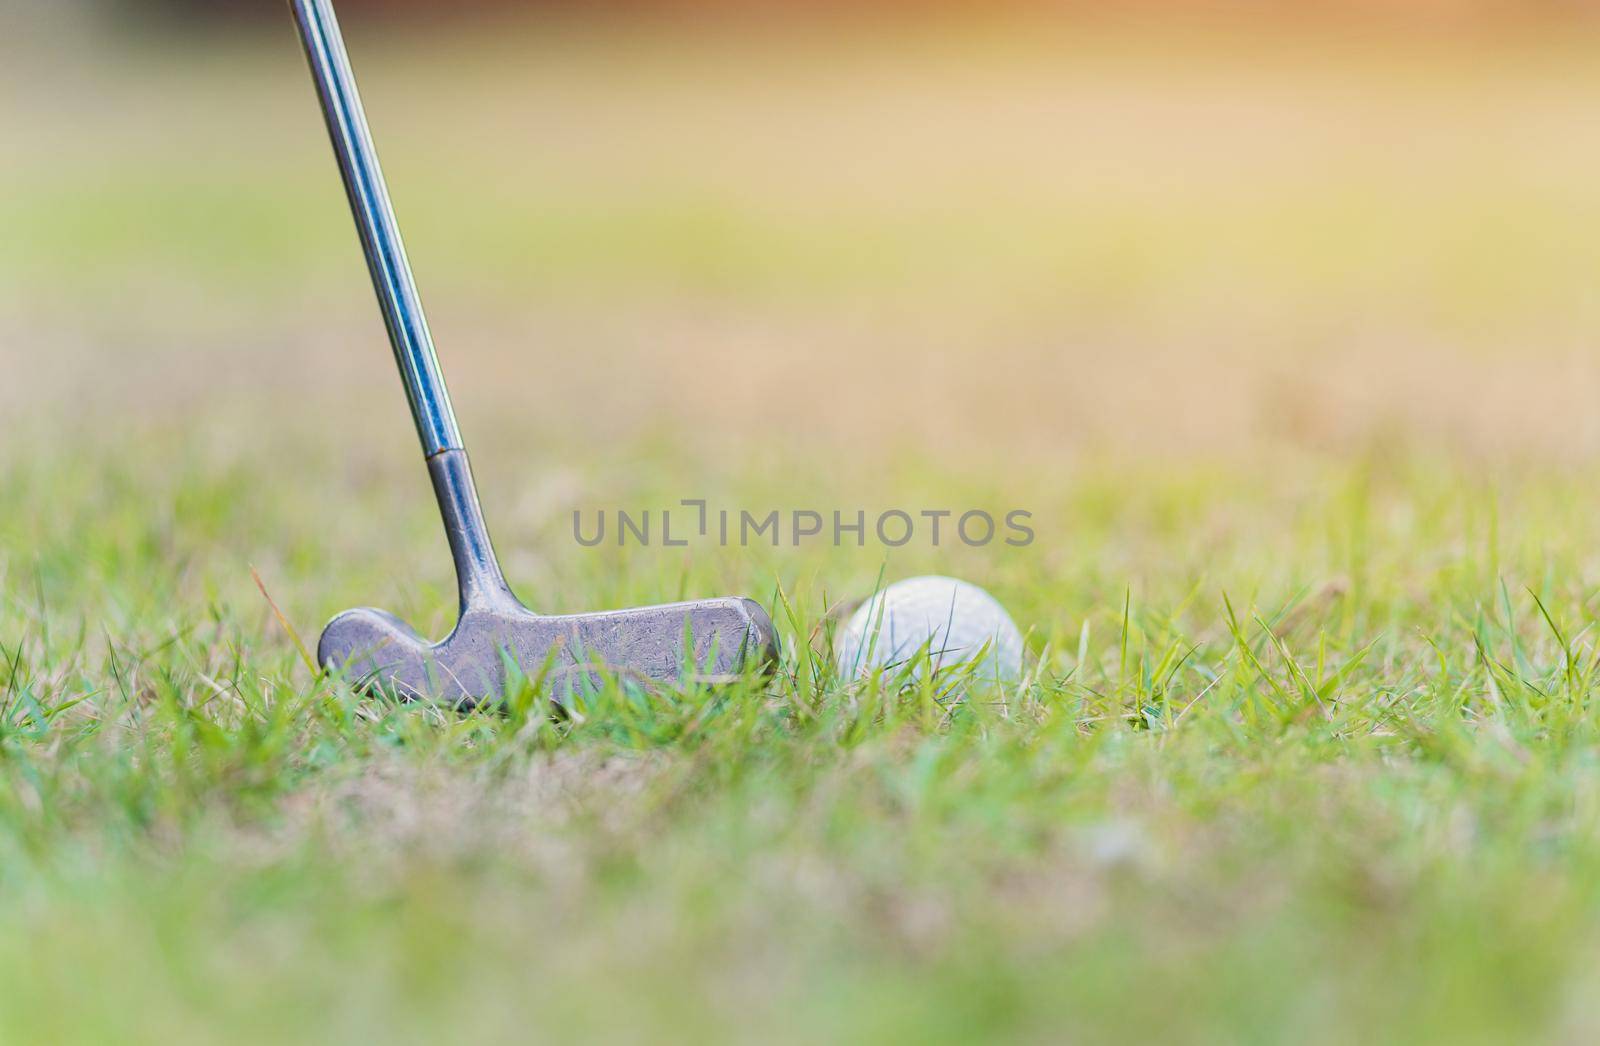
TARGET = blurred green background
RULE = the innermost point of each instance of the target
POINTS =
(855, 258)
(1025, 233)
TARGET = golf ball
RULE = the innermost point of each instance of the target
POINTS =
(954, 619)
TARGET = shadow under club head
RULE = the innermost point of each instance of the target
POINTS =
(703, 641)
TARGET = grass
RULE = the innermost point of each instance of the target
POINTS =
(1246, 796)
(1310, 747)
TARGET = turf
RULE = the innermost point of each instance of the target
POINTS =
(1308, 745)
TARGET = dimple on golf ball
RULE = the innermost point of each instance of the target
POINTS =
(953, 619)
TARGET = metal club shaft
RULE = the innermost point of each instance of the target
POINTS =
(380, 234)
(477, 571)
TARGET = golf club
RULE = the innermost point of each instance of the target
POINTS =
(710, 640)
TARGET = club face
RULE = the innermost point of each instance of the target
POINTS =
(704, 641)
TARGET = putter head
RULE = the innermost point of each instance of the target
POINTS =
(704, 641)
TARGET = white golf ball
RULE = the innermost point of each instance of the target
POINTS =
(954, 619)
